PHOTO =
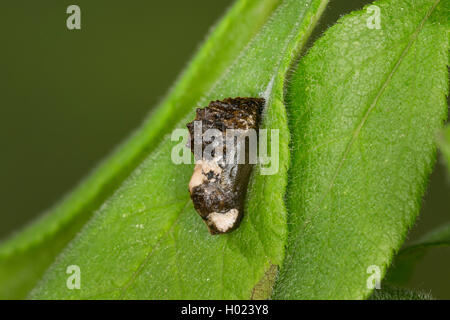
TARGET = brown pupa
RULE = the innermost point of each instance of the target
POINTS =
(218, 186)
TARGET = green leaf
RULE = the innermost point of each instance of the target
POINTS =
(392, 293)
(25, 257)
(405, 261)
(444, 144)
(365, 106)
(147, 241)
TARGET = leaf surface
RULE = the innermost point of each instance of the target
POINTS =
(364, 107)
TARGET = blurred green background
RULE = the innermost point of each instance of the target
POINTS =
(69, 96)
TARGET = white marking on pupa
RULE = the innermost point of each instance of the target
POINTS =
(201, 170)
(223, 221)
